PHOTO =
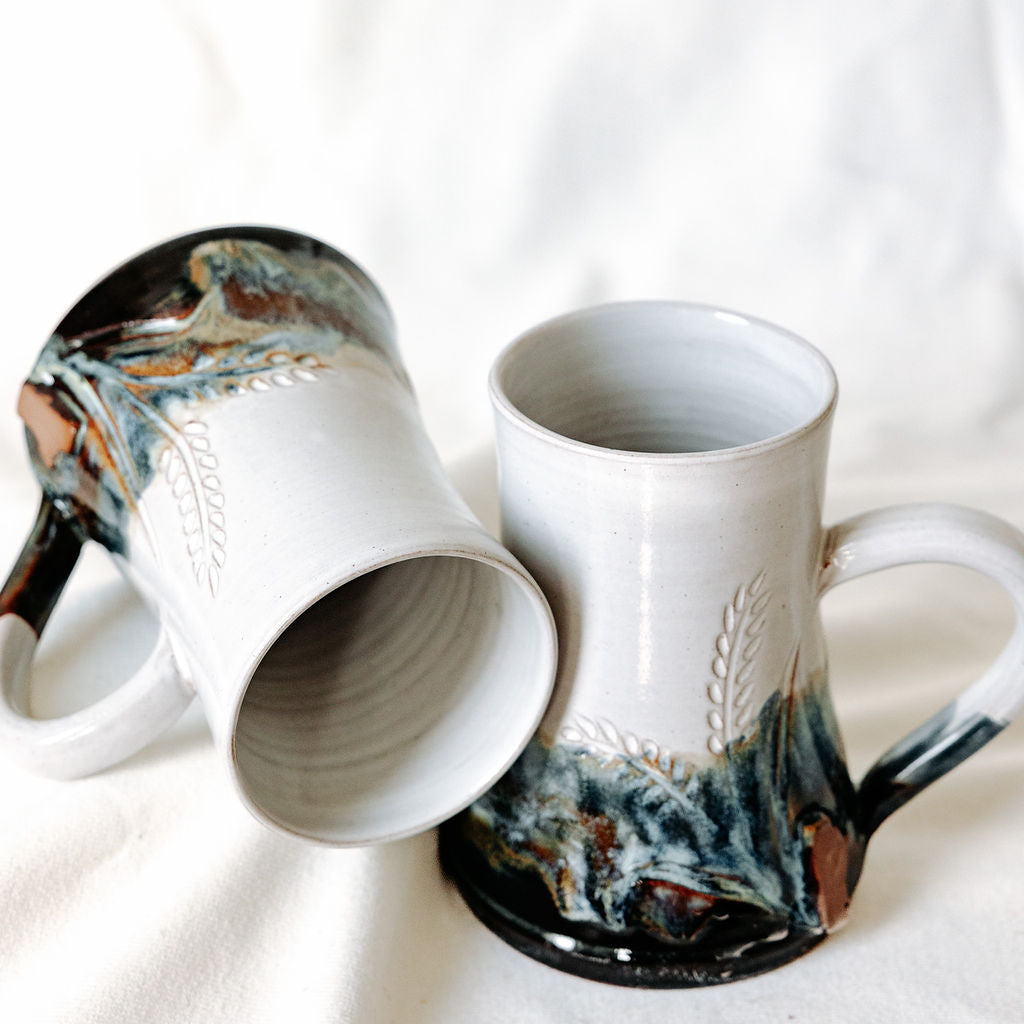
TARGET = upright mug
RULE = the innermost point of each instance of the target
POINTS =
(228, 414)
(684, 815)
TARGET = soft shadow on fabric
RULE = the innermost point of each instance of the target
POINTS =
(475, 476)
(414, 950)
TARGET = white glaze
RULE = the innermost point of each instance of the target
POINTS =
(369, 658)
(662, 476)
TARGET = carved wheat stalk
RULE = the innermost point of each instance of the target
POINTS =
(602, 737)
(732, 689)
(190, 468)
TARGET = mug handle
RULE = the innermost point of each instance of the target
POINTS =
(958, 536)
(104, 733)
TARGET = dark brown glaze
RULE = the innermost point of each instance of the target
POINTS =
(645, 870)
(272, 307)
(931, 750)
(158, 283)
(41, 571)
(217, 315)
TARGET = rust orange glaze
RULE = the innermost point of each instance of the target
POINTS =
(204, 318)
(670, 873)
(645, 870)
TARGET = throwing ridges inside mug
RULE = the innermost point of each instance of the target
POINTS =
(228, 414)
(684, 814)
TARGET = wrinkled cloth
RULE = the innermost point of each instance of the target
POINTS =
(852, 171)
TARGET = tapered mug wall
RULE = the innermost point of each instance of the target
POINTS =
(684, 814)
(228, 414)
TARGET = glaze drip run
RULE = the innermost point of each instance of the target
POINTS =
(117, 394)
(661, 861)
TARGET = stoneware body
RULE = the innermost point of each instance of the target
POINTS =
(228, 414)
(684, 814)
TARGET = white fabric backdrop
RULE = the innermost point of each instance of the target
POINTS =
(853, 171)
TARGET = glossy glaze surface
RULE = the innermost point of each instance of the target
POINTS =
(684, 815)
(228, 414)
(612, 844)
(110, 406)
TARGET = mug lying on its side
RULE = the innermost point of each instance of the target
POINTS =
(228, 414)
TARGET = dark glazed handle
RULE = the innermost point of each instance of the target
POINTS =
(42, 570)
(957, 536)
(97, 736)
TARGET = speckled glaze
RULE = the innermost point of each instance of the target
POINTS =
(684, 815)
(228, 415)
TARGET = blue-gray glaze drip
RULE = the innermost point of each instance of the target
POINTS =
(660, 857)
(142, 346)
(925, 755)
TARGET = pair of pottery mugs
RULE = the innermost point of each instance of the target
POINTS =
(660, 797)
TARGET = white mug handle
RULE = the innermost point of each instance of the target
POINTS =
(104, 733)
(957, 536)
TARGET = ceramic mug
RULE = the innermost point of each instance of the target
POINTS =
(684, 815)
(228, 414)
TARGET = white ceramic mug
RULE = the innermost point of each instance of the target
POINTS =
(228, 414)
(684, 815)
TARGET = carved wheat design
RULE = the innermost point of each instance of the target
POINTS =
(190, 465)
(239, 317)
(190, 468)
(731, 691)
(253, 376)
(603, 737)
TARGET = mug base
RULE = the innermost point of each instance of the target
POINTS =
(668, 967)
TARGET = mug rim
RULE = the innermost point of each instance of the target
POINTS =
(536, 697)
(503, 404)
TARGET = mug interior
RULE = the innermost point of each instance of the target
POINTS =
(663, 377)
(393, 701)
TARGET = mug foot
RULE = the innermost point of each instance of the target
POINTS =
(759, 944)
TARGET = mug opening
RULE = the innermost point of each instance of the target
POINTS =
(394, 700)
(663, 378)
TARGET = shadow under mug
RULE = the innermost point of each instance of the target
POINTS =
(684, 815)
(228, 414)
